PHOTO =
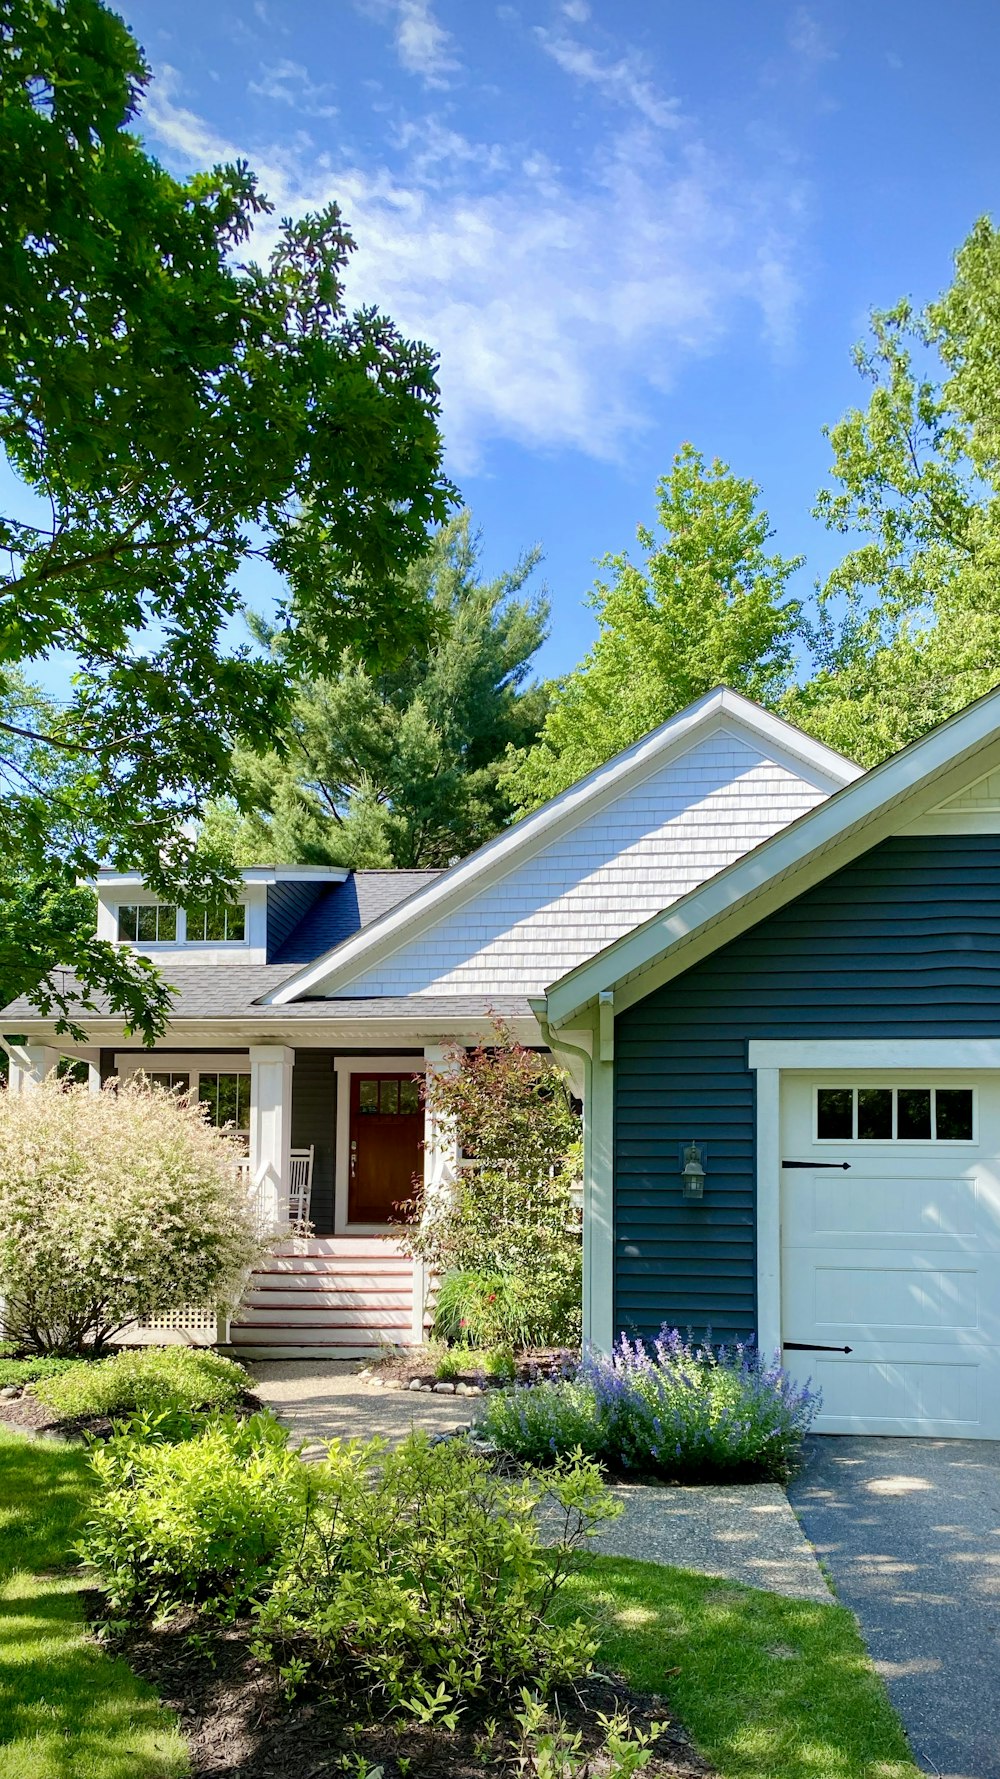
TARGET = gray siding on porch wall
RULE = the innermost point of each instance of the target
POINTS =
(314, 1121)
(904, 943)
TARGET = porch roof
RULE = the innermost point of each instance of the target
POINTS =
(206, 992)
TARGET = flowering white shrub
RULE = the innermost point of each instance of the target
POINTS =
(114, 1206)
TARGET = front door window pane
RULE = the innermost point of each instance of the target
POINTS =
(409, 1096)
(388, 1097)
(368, 1096)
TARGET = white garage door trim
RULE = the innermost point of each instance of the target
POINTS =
(768, 1059)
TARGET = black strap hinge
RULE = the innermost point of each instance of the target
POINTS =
(844, 1164)
(809, 1346)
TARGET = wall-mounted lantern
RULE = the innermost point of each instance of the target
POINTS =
(693, 1169)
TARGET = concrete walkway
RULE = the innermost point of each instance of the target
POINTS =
(911, 1531)
(747, 1534)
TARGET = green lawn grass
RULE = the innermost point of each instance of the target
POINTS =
(67, 1710)
(769, 1688)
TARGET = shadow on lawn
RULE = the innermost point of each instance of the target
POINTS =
(67, 1709)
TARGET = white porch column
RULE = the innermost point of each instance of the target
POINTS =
(271, 1130)
(29, 1064)
(440, 1175)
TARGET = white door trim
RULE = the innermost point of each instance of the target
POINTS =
(344, 1068)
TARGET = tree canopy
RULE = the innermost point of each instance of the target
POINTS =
(908, 629)
(705, 605)
(170, 412)
(401, 765)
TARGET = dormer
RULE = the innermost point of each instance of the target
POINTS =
(250, 929)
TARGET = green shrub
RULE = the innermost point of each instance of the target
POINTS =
(448, 1365)
(500, 1363)
(543, 1421)
(506, 1240)
(144, 1381)
(205, 1522)
(29, 1371)
(114, 1206)
(422, 1568)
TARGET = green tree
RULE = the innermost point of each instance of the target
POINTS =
(170, 412)
(705, 606)
(402, 765)
(908, 627)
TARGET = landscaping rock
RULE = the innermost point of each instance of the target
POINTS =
(10, 1393)
(443, 1389)
(427, 1388)
(414, 1384)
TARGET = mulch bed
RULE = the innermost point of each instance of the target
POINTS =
(238, 1727)
(396, 1370)
(27, 1414)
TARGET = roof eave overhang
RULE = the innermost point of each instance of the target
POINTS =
(828, 837)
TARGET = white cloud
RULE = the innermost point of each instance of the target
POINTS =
(422, 44)
(291, 84)
(808, 41)
(625, 81)
(577, 10)
(560, 299)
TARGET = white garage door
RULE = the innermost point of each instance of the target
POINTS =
(896, 1255)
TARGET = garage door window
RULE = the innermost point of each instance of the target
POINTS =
(894, 1114)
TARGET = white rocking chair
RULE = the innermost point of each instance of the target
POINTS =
(300, 1184)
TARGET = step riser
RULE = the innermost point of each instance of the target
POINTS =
(313, 1302)
(352, 1276)
(274, 1316)
(338, 1342)
(341, 1247)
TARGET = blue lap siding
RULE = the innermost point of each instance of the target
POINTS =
(904, 943)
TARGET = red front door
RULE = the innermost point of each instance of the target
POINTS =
(387, 1127)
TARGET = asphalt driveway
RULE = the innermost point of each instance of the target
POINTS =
(910, 1531)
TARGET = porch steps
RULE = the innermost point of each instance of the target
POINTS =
(334, 1297)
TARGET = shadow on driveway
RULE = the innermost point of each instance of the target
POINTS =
(910, 1531)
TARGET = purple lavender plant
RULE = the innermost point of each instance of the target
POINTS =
(676, 1408)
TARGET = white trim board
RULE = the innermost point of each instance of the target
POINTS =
(810, 849)
(814, 1054)
(720, 709)
(344, 1067)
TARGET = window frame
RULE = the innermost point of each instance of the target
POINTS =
(182, 938)
(145, 944)
(895, 1088)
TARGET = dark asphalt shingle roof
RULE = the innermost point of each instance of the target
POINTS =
(234, 991)
(345, 908)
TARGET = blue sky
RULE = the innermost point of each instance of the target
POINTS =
(622, 223)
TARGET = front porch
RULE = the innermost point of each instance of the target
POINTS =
(333, 1139)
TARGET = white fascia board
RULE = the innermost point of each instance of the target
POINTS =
(321, 1034)
(879, 803)
(111, 879)
(720, 709)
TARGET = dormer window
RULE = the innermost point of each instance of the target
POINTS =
(224, 924)
(147, 923)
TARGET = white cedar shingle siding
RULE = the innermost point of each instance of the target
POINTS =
(614, 870)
